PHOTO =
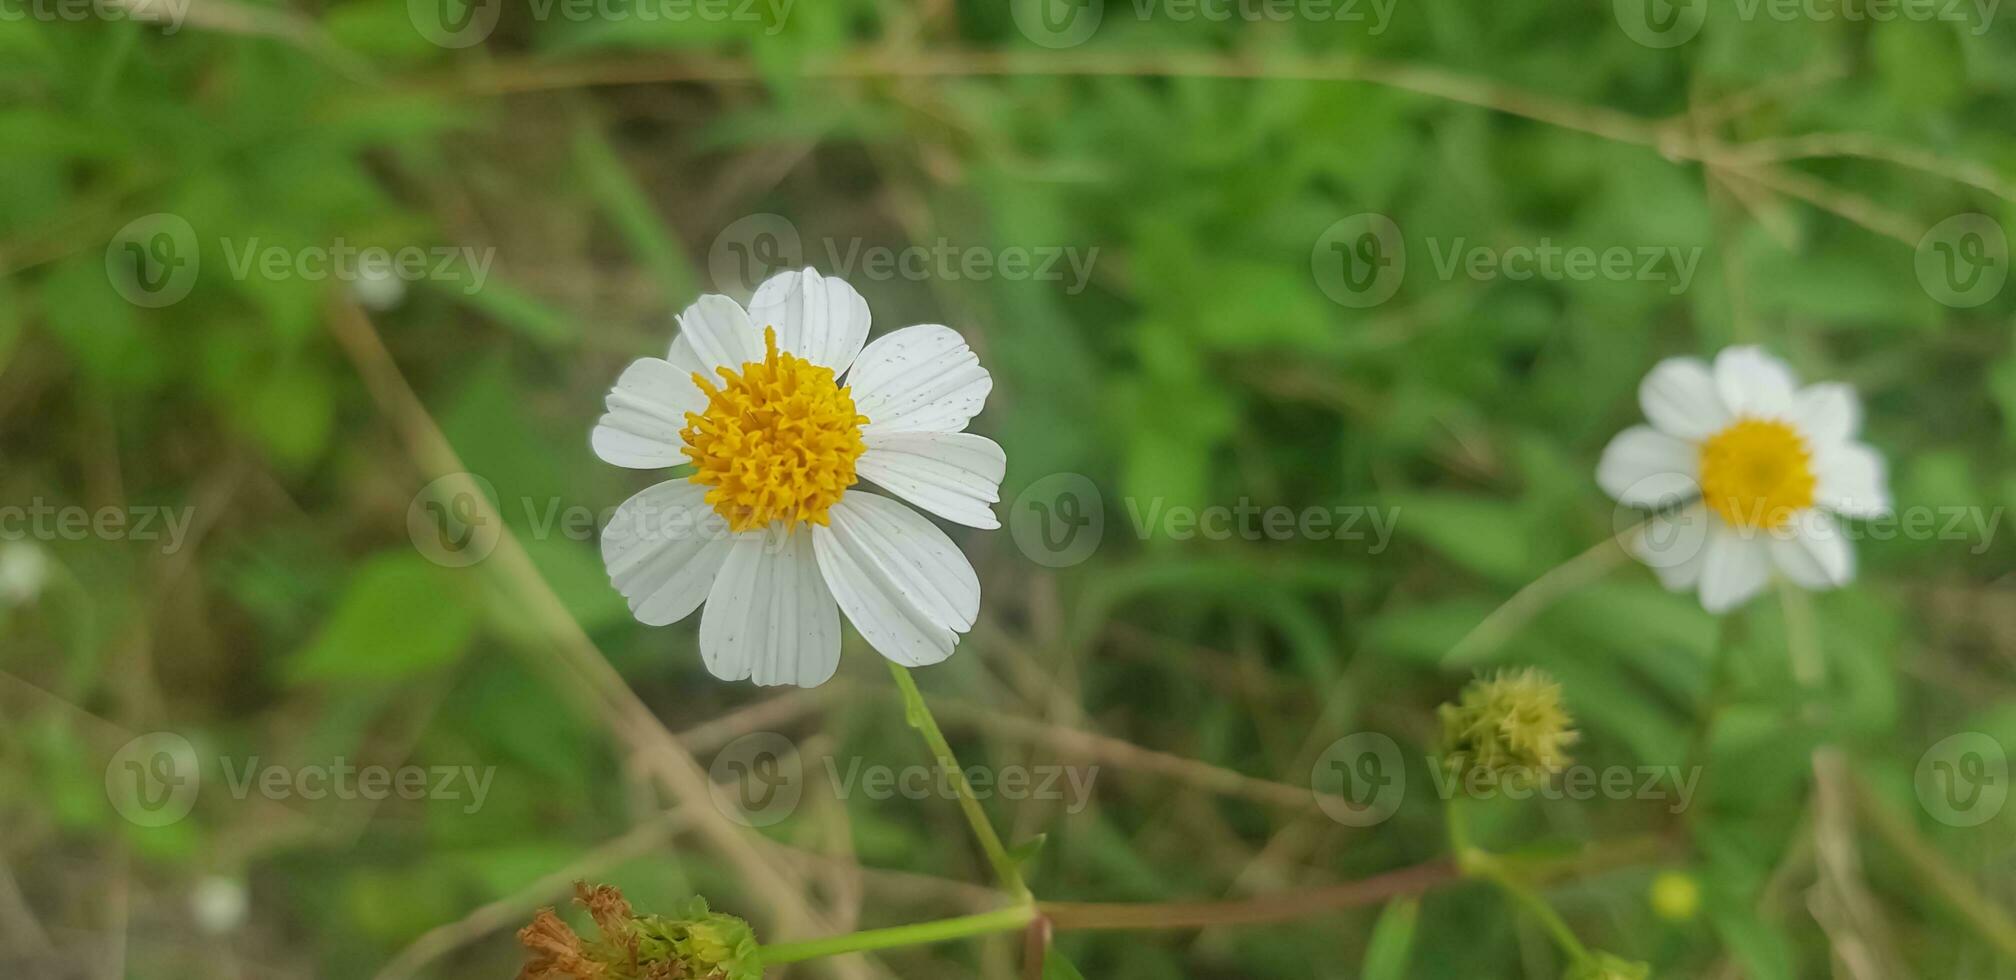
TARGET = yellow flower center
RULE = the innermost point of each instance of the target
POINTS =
(777, 442)
(1757, 473)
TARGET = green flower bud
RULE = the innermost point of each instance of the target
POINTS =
(1509, 728)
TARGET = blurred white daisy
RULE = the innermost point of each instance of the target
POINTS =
(219, 904)
(772, 530)
(1750, 473)
(24, 570)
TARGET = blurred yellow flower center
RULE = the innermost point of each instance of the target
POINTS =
(1757, 473)
(777, 442)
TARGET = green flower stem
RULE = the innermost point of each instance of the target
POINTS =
(918, 714)
(1802, 636)
(1488, 867)
(1460, 849)
(1009, 919)
(1475, 862)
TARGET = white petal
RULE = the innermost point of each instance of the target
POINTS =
(820, 319)
(1754, 383)
(1679, 397)
(647, 408)
(1644, 467)
(663, 548)
(714, 333)
(919, 379)
(895, 628)
(770, 617)
(1851, 480)
(1827, 414)
(1674, 545)
(1735, 567)
(954, 475)
(1813, 552)
(913, 556)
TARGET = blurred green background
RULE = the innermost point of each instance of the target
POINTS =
(602, 165)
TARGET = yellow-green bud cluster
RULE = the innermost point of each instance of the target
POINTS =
(1510, 728)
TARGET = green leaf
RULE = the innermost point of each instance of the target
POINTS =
(626, 205)
(515, 310)
(1479, 534)
(399, 616)
(1392, 939)
(1021, 855)
(1056, 967)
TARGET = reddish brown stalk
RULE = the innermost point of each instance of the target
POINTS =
(1280, 907)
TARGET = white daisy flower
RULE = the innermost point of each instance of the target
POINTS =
(1761, 470)
(772, 530)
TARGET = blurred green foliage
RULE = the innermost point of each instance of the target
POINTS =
(1202, 365)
